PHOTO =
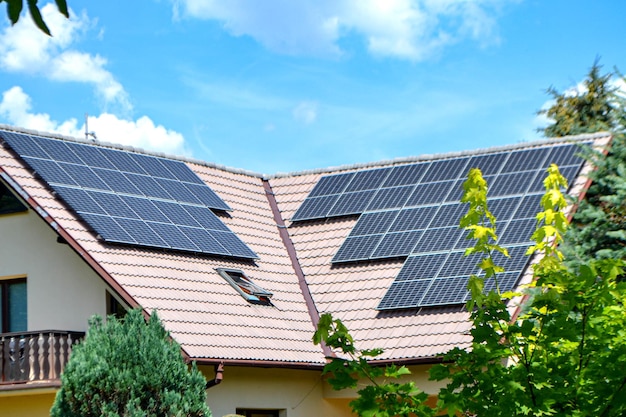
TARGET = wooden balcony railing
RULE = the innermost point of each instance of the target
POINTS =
(35, 356)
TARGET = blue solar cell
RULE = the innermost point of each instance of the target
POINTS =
(147, 186)
(457, 264)
(315, 208)
(437, 240)
(206, 218)
(529, 207)
(58, 151)
(203, 240)
(153, 166)
(176, 213)
(207, 197)
(123, 161)
(413, 219)
(50, 171)
(145, 208)
(181, 171)
(374, 223)
(233, 244)
(84, 176)
(445, 291)
(397, 244)
(117, 181)
(516, 261)
(526, 160)
(357, 248)
(404, 294)
(518, 232)
(351, 203)
(447, 169)
(91, 156)
(489, 164)
(506, 282)
(405, 175)
(390, 198)
(112, 204)
(173, 237)
(107, 228)
(141, 232)
(431, 193)
(332, 184)
(565, 155)
(24, 145)
(421, 267)
(177, 190)
(456, 192)
(511, 184)
(503, 208)
(464, 241)
(368, 180)
(448, 215)
(79, 200)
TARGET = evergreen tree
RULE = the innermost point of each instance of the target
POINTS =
(599, 225)
(129, 368)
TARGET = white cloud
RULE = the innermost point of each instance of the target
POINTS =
(410, 29)
(16, 109)
(305, 112)
(25, 49)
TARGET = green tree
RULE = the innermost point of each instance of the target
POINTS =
(129, 368)
(599, 225)
(14, 11)
(593, 108)
(563, 355)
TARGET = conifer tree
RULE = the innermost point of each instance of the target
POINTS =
(129, 368)
(599, 225)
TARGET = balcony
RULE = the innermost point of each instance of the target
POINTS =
(35, 356)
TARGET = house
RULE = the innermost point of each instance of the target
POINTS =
(239, 266)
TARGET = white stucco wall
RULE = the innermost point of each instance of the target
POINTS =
(63, 292)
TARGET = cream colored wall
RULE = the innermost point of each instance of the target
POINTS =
(299, 393)
(63, 292)
(419, 375)
(32, 404)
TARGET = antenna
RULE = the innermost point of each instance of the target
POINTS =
(87, 132)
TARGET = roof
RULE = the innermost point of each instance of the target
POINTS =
(211, 321)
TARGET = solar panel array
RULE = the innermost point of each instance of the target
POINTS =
(132, 198)
(413, 211)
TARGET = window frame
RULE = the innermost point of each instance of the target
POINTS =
(250, 412)
(19, 208)
(5, 303)
(250, 291)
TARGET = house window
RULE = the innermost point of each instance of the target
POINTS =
(13, 305)
(257, 413)
(8, 202)
(114, 307)
(245, 287)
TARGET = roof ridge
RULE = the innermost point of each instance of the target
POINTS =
(338, 168)
(455, 154)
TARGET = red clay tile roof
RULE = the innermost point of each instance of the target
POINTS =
(212, 322)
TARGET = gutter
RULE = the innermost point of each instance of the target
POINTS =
(291, 251)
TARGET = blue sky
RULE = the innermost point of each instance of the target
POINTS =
(277, 85)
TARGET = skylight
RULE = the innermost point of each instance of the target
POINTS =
(250, 291)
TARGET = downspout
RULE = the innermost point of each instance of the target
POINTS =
(219, 376)
(291, 250)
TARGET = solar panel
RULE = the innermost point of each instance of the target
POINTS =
(415, 209)
(131, 198)
(390, 198)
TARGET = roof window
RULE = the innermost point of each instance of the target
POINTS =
(250, 291)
